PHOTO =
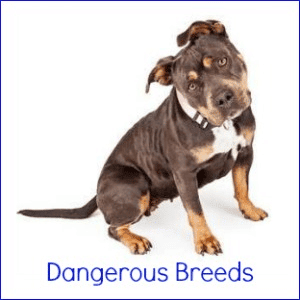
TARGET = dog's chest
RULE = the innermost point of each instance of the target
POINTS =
(227, 139)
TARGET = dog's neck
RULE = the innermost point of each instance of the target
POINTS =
(191, 111)
(194, 113)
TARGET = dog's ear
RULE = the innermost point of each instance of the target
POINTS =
(161, 72)
(201, 28)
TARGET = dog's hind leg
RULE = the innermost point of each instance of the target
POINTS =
(123, 197)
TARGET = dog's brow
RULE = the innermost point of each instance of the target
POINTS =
(207, 61)
(192, 75)
(192, 51)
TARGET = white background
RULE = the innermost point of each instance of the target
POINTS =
(73, 79)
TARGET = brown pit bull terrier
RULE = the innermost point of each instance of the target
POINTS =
(204, 129)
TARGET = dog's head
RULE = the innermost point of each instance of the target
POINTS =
(209, 72)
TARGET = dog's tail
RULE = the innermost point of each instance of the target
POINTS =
(74, 213)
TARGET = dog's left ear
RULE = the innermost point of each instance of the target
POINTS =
(161, 73)
(201, 28)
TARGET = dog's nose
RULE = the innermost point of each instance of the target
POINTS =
(225, 98)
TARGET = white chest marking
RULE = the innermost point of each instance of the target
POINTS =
(226, 140)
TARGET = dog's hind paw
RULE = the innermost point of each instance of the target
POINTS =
(208, 245)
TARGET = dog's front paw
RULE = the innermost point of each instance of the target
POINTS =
(253, 213)
(208, 245)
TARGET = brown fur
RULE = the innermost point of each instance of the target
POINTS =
(240, 56)
(211, 113)
(200, 29)
(240, 87)
(207, 62)
(144, 202)
(218, 28)
(135, 243)
(202, 154)
(160, 72)
(165, 155)
(248, 134)
(240, 175)
(203, 238)
(193, 75)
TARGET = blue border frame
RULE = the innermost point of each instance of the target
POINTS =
(1, 102)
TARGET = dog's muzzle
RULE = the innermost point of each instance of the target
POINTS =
(232, 104)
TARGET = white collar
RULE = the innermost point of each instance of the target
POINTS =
(191, 111)
(194, 113)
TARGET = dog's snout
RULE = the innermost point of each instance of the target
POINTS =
(225, 98)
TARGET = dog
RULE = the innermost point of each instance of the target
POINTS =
(203, 130)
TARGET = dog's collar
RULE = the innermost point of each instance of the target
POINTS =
(191, 111)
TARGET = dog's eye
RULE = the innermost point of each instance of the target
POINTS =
(222, 62)
(192, 86)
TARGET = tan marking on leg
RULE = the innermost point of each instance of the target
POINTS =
(144, 202)
(202, 154)
(248, 134)
(207, 62)
(192, 75)
(136, 244)
(240, 183)
(239, 175)
(203, 238)
(199, 225)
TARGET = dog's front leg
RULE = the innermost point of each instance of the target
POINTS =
(240, 175)
(186, 183)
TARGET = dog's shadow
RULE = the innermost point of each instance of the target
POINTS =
(217, 199)
(222, 203)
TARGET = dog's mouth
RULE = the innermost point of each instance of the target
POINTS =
(212, 113)
(218, 119)
(224, 105)
(246, 102)
(236, 113)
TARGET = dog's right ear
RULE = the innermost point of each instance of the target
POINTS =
(161, 72)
